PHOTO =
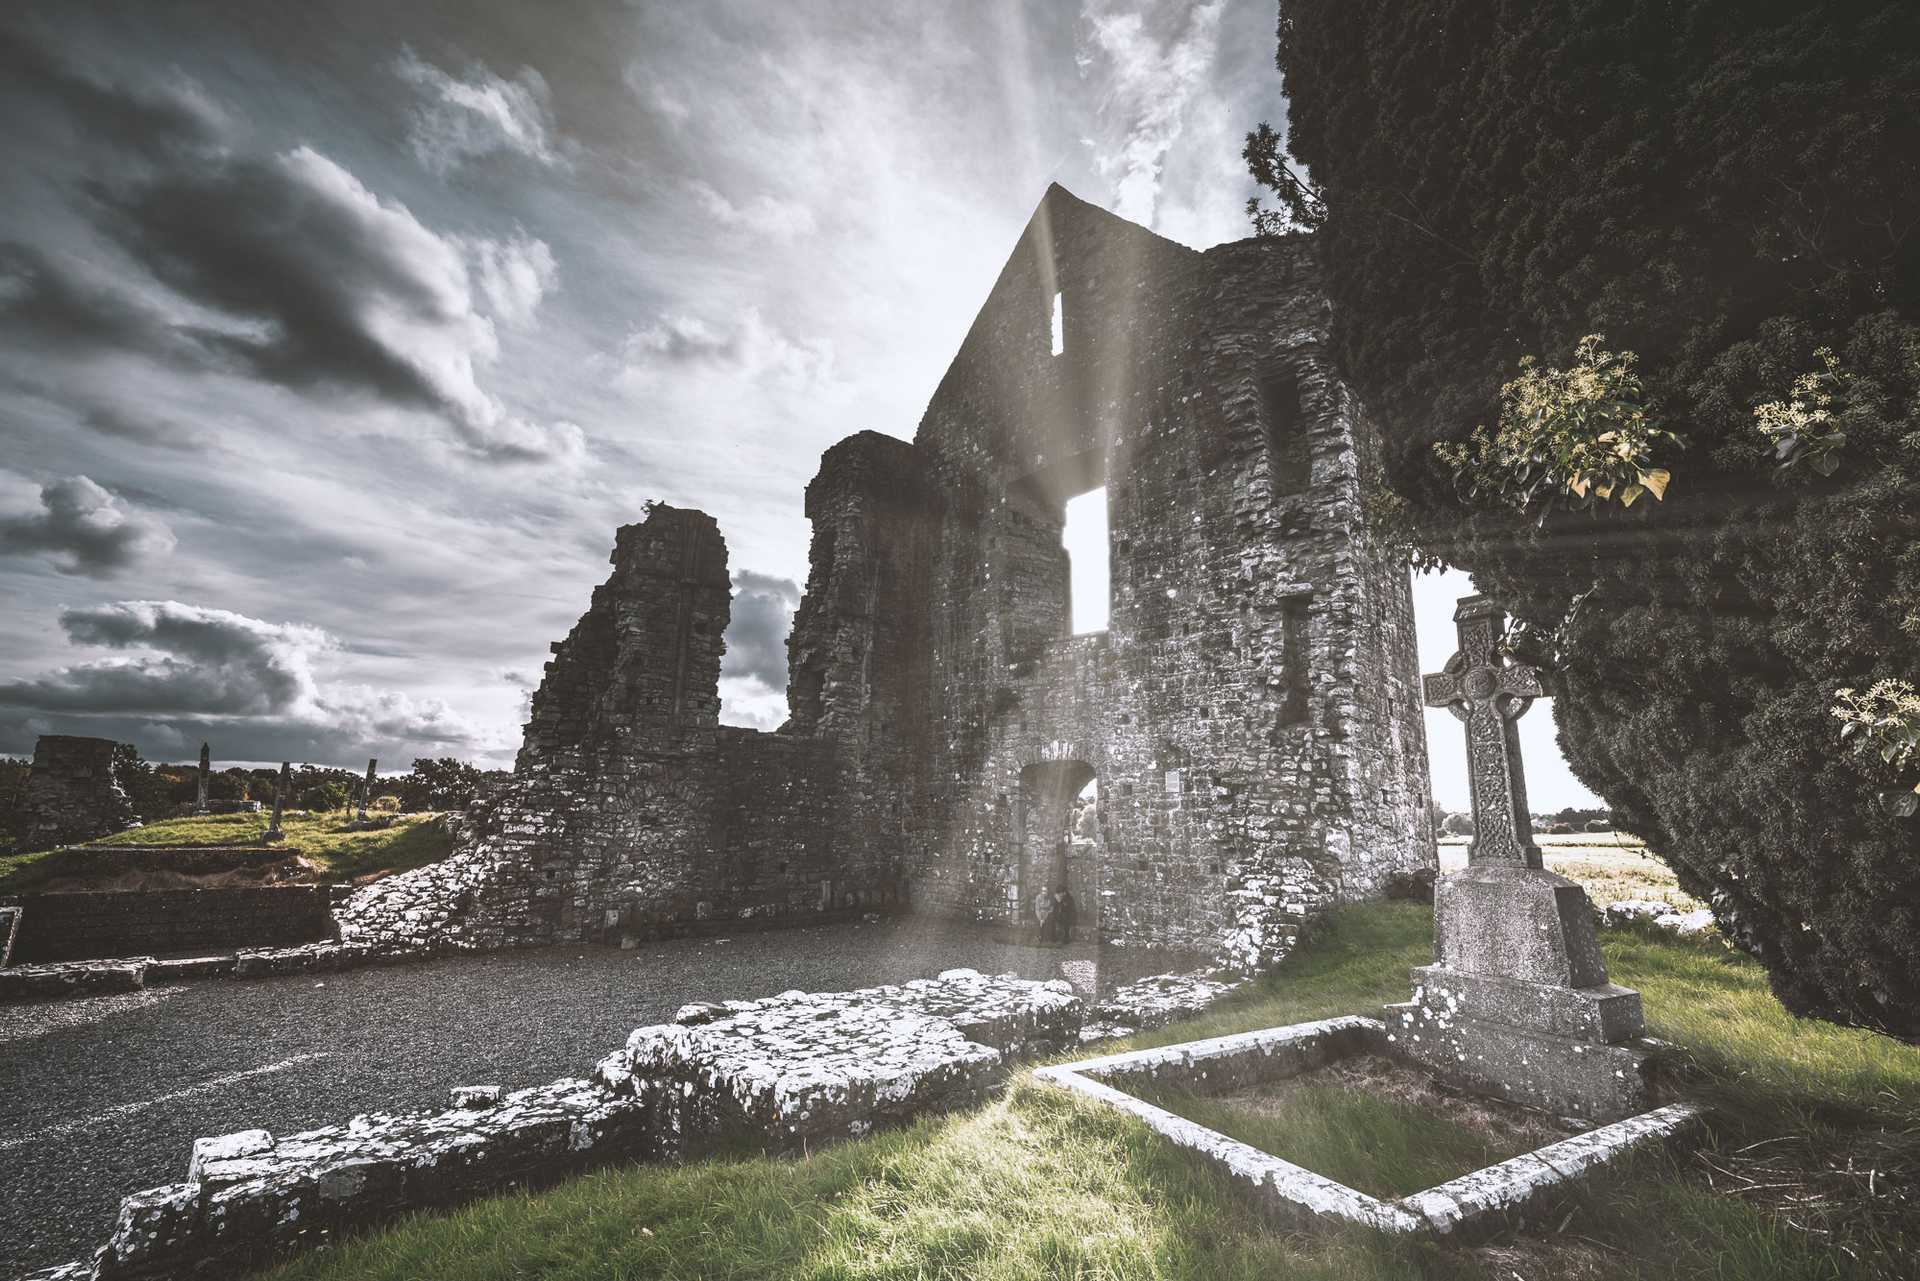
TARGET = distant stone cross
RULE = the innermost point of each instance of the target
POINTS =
(1489, 694)
(200, 789)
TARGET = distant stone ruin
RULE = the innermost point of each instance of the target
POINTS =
(1251, 714)
(73, 793)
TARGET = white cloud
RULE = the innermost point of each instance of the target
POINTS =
(514, 275)
(1150, 86)
(749, 348)
(763, 215)
(461, 120)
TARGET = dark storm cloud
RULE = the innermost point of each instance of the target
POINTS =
(86, 528)
(757, 635)
(340, 288)
(49, 305)
(138, 119)
(187, 659)
(190, 667)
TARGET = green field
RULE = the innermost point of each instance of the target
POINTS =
(320, 840)
(1809, 1170)
(1608, 865)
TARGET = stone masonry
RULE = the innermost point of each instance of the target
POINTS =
(1251, 715)
(73, 792)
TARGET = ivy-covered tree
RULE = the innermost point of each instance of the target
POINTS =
(1700, 219)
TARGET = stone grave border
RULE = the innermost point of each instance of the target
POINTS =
(1472, 1205)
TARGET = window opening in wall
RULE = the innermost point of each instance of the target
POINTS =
(1288, 455)
(1293, 660)
(1085, 538)
(1059, 325)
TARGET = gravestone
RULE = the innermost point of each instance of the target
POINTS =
(200, 786)
(280, 788)
(1516, 1003)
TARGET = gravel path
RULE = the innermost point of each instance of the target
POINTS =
(105, 1096)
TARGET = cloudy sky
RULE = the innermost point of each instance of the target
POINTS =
(336, 339)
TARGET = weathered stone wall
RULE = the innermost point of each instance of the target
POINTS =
(1252, 712)
(73, 794)
(1251, 715)
(72, 927)
(632, 813)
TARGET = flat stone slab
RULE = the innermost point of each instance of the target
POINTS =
(1152, 1002)
(1474, 1204)
(57, 980)
(789, 1071)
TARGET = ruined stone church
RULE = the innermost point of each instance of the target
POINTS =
(1251, 716)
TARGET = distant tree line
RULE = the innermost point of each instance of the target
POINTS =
(160, 791)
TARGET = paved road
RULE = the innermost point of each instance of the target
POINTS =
(105, 1096)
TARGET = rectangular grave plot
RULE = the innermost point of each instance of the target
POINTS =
(1224, 1085)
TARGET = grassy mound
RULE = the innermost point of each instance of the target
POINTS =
(1038, 1184)
(321, 841)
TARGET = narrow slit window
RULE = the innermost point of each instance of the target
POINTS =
(1293, 660)
(1059, 325)
(1085, 538)
(1288, 455)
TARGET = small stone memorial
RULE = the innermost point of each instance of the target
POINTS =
(281, 787)
(1516, 1003)
(200, 780)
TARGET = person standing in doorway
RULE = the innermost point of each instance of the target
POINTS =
(1064, 913)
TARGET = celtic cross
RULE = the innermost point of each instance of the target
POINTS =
(1489, 695)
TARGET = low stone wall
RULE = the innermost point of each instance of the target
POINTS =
(64, 979)
(794, 1070)
(71, 927)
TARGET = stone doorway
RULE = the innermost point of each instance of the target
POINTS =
(1060, 844)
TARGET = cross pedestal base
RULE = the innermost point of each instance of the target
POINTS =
(1441, 1030)
(1517, 1004)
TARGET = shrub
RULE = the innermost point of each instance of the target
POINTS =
(1725, 188)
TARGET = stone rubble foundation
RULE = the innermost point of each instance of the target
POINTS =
(782, 1074)
(1153, 1002)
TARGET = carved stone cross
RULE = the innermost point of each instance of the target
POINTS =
(1489, 695)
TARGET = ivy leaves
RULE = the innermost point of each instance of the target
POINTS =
(1580, 437)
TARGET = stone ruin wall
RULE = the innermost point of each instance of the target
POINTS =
(1252, 713)
(73, 793)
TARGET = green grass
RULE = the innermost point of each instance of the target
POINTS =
(334, 853)
(1037, 1184)
(1385, 1146)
